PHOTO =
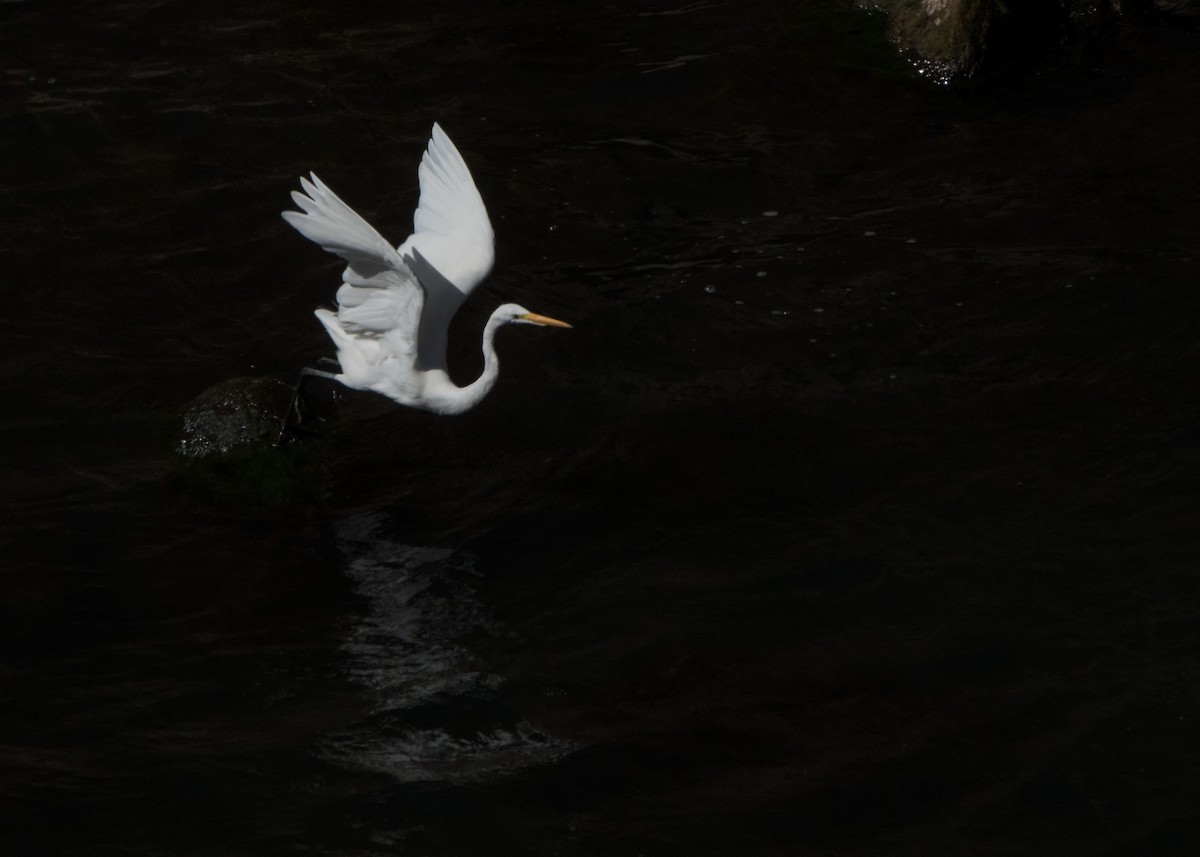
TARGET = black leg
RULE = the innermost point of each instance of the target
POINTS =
(292, 418)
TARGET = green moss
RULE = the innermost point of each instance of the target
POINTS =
(267, 477)
(228, 450)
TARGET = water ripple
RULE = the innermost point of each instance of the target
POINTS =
(437, 714)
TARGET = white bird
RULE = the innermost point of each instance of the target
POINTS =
(395, 305)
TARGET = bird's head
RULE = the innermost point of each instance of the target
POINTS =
(516, 314)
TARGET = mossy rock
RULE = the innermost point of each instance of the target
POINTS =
(948, 39)
(240, 412)
(230, 452)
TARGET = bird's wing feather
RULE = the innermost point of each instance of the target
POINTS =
(425, 280)
(339, 229)
(452, 235)
(381, 295)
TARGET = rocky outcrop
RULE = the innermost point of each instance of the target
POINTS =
(236, 413)
(948, 39)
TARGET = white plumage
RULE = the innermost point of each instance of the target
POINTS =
(395, 305)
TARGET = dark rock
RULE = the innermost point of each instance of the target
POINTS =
(948, 39)
(240, 412)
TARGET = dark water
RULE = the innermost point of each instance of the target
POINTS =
(858, 514)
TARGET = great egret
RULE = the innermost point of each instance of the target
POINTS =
(395, 305)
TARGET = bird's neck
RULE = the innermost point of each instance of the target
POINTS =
(461, 399)
(491, 363)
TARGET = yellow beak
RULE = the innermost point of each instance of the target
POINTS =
(545, 321)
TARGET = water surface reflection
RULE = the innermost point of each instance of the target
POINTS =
(435, 711)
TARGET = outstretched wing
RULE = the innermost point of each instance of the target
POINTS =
(380, 295)
(451, 249)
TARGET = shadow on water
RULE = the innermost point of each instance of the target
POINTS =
(856, 515)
